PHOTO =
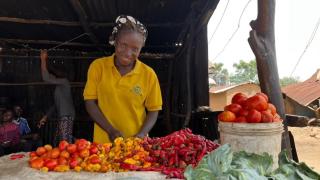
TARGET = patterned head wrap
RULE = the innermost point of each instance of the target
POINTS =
(124, 22)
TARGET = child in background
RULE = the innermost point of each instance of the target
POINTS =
(30, 141)
(9, 134)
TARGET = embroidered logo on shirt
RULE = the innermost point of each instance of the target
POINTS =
(137, 90)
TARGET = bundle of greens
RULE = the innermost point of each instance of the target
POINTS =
(223, 164)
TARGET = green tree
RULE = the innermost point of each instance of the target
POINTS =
(218, 73)
(244, 72)
(285, 81)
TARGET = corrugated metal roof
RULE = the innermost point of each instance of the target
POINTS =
(165, 20)
(220, 89)
(305, 92)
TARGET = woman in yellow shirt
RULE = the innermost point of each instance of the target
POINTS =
(120, 88)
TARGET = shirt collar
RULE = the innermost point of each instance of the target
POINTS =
(135, 70)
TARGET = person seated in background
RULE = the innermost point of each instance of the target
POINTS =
(30, 141)
(9, 134)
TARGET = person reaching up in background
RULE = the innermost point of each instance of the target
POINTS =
(63, 102)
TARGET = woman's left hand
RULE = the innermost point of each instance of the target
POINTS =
(140, 135)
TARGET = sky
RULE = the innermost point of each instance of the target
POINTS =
(295, 22)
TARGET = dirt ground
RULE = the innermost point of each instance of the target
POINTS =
(307, 141)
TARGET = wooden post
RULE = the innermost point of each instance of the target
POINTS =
(262, 43)
(168, 98)
(188, 75)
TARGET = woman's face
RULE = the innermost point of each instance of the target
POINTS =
(127, 48)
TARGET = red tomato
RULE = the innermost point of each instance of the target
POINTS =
(241, 119)
(81, 144)
(239, 98)
(48, 147)
(272, 108)
(263, 95)
(84, 153)
(254, 116)
(277, 118)
(95, 160)
(51, 164)
(227, 116)
(73, 163)
(33, 154)
(266, 116)
(33, 158)
(93, 150)
(75, 155)
(243, 112)
(71, 148)
(65, 154)
(63, 145)
(54, 153)
(37, 163)
(62, 161)
(235, 108)
(40, 151)
(257, 102)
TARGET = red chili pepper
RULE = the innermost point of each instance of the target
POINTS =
(16, 156)
(184, 151)
(129, 166)
(178, 140)
(171, 161)
(158, 169)
(203, 152)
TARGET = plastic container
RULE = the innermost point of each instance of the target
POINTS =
(253, 137)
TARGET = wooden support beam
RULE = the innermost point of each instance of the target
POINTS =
(167, 109)
(39, 21)
(83, 18)
(73, 84)
(154, 56)
(50, 42)
(262, 43)
(77, 24)
(188, 74)
(202, 19)
(206, 15)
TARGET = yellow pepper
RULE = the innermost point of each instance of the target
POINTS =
(77, 168)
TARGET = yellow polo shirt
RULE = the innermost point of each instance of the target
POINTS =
(122, 99)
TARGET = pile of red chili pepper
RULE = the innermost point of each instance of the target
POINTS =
(172, 153)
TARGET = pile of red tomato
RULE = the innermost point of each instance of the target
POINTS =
(254, 109)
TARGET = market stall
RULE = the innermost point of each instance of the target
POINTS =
(180, 60)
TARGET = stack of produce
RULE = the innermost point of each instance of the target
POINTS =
(92, 157)
(177, 150)
(255, 109)
(169, 155)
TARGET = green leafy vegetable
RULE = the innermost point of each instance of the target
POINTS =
(222, 164)
(289, 169)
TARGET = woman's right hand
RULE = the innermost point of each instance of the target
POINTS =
(42, 121)
(113, 134)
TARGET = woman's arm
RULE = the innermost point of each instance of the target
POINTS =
(150, 121)
(46, 76)
(96, 114)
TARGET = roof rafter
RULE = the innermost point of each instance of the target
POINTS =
(51, 42)
(75, 23)
(83, 18)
